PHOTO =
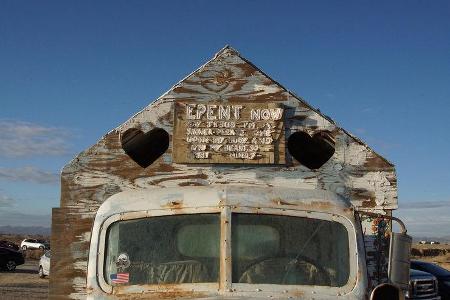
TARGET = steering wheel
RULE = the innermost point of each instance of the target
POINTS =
(311, 272)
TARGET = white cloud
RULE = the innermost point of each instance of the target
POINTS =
(426, 219)
(425, 204)
(31, 174)
(23, 139)
(6, 201)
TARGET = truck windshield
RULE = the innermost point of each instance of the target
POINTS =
(266, 249)
(272, 249)
(164, 250)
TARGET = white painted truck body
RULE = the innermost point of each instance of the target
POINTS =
(226, 200)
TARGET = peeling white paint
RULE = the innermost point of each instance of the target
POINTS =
(104, 169)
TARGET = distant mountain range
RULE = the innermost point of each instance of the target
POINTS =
(39, 230)
(442, 239)
(25, 230)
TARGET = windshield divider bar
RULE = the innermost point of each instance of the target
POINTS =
(225, 249)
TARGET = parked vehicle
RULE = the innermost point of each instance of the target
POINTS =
(10, 258)
(34, 244)
(8, 244)
(422, 286)
(44, 264)
(423, 242)
(442, 275)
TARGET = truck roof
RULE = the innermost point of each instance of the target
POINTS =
(221, 195)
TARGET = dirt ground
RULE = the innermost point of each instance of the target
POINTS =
(438, 254)
(442, 261)
(24, 283)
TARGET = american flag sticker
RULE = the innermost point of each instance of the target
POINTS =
(120, 277)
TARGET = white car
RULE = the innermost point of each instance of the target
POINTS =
(33, 244)
(44, 264)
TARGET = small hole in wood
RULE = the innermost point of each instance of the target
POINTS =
(145, 148)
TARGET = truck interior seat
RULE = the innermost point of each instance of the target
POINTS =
(284, 270)
(188, 271)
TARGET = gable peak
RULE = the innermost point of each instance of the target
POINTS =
(227, 49)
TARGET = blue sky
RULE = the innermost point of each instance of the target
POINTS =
(70, 71)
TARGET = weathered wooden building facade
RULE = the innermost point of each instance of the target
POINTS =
(165, 145)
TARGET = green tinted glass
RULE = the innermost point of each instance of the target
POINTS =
(163, 250)
(271, 249)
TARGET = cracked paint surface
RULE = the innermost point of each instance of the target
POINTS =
(354, 172)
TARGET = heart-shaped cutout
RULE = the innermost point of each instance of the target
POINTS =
(312, 152)
(145, 148)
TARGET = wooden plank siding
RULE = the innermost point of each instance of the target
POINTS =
(354, 171)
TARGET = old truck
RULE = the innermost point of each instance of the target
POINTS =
(228, 186)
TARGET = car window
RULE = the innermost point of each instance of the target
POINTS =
(266, 249)
(163, 250)
(198, 240)
(287, 250)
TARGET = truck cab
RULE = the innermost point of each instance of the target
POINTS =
(237, 241)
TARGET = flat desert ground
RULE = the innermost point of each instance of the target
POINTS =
(438, 254)
(24, 283)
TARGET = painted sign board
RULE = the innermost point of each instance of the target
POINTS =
(228, 133)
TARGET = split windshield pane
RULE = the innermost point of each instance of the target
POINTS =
(266, 249)
(163, 250)
(286, 250)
